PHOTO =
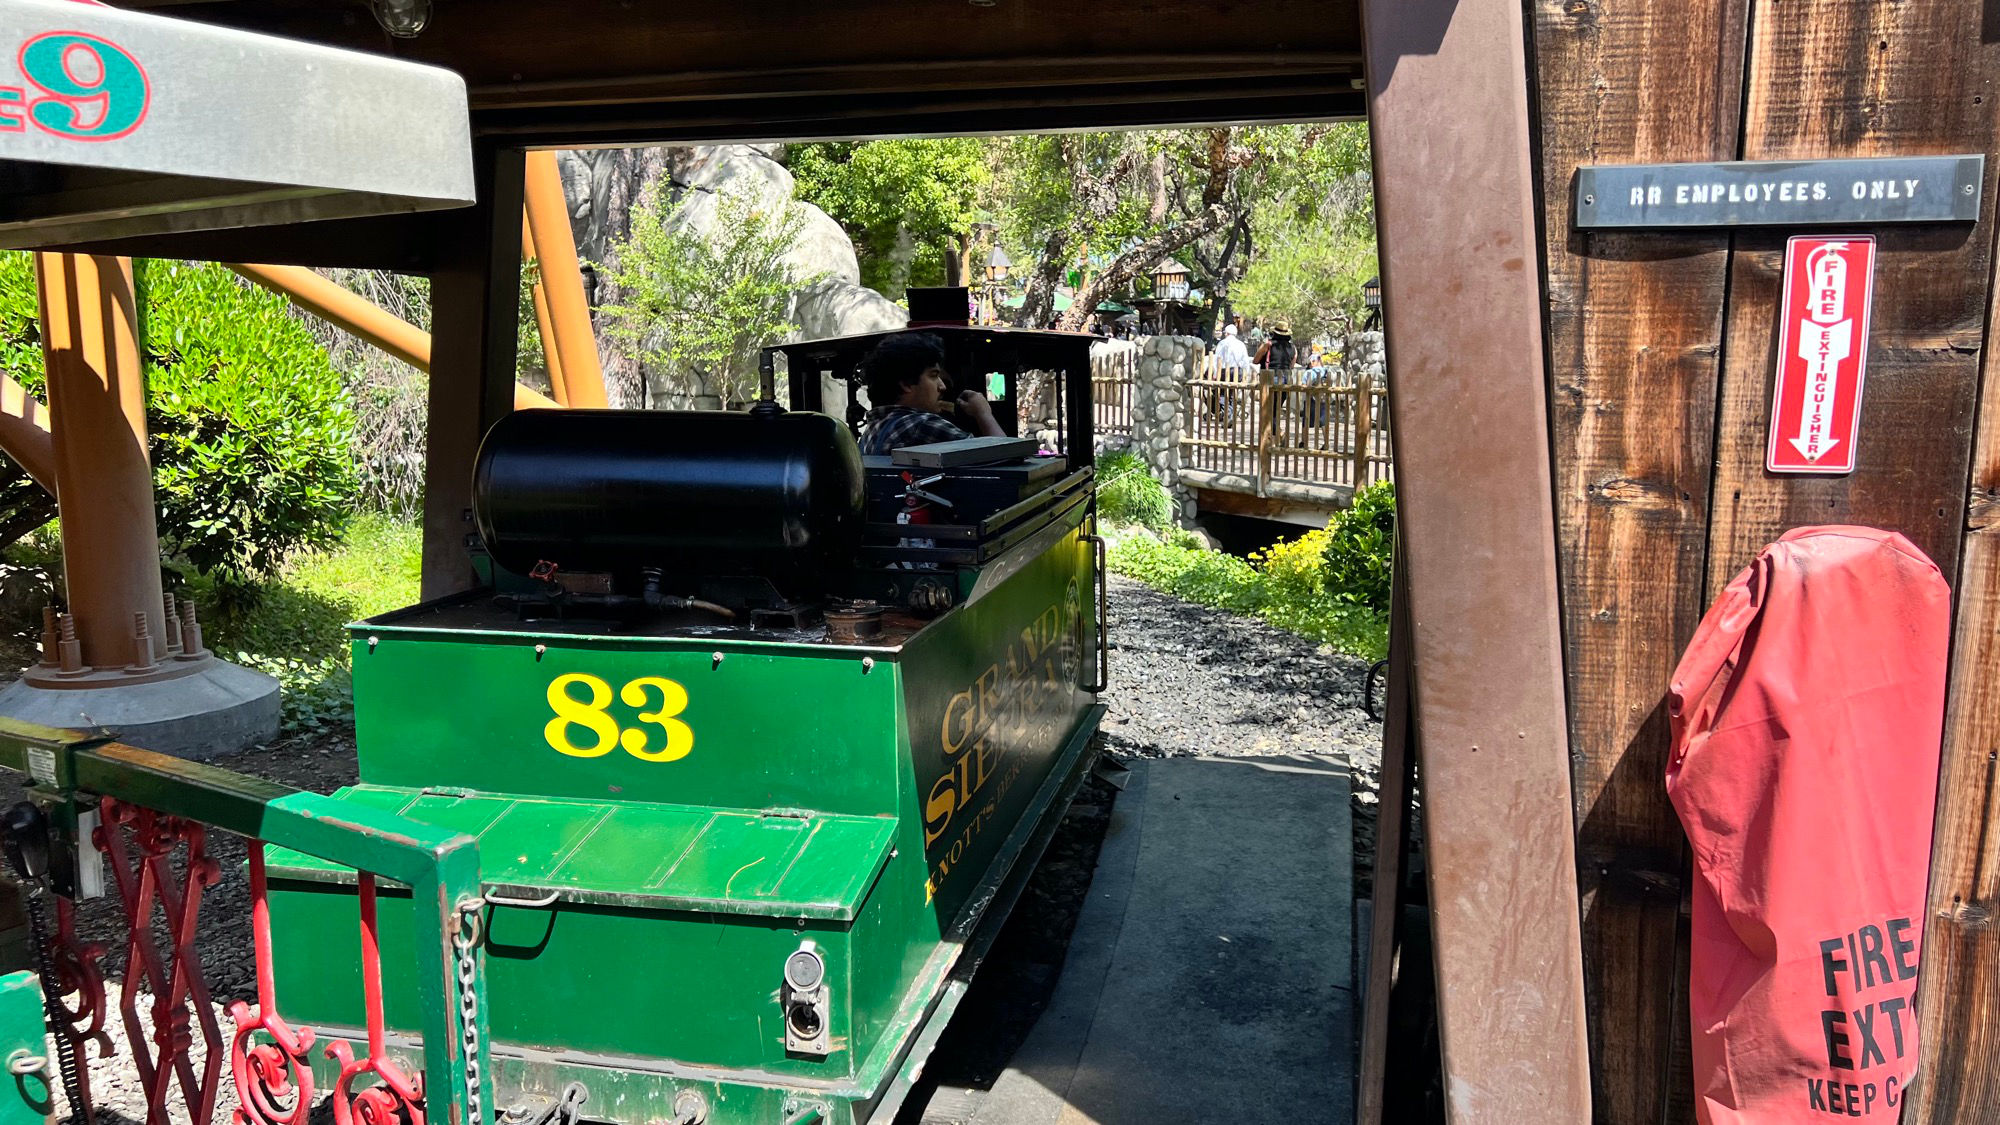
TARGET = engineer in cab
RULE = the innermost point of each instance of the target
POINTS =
(906, 385)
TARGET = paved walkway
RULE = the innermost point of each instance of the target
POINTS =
(1210, 977)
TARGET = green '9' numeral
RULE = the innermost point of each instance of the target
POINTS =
(110, 93)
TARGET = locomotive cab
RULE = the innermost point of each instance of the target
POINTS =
(758, 738)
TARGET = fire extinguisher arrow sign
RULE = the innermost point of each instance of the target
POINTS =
(1822, 354)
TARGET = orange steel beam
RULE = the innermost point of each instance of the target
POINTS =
(356, 314)
(345, 309)
(24, 434)
(544, 327)
(97, 401)
(562, 280)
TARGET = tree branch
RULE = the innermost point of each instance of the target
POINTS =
(1142, 256)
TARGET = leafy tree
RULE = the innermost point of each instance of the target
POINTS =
(700, 303)
(1121, 203)
(1313, 213)
(247, 419)
(1308, 271)
(905, 203)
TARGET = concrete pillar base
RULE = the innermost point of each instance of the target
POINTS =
(218, 710)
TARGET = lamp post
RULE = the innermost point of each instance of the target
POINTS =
(1170, 281)
(997, 266)
(1371, 295)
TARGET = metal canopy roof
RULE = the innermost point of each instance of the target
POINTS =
(116, 123)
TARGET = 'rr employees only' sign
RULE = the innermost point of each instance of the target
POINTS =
(1822, 354)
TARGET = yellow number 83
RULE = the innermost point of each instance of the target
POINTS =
(591, 716)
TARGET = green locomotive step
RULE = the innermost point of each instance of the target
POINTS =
(779, 863)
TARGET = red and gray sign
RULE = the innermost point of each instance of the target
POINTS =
(1822, 354)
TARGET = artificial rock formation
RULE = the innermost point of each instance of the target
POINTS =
(604, 185)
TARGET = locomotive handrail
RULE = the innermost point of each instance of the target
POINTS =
(440, 866)
(1101, 679)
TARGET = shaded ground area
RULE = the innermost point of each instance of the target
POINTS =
(1186, 682)
(1210, 976)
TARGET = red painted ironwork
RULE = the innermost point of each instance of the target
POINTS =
(148, 884)
(274, 1079)
(396, 1098)
(80, 1020)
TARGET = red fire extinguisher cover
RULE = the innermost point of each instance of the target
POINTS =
(1807, 715)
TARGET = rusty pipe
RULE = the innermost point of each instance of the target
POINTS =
(544, 326)
(346, 310)
(97, 395)
(24, 434)
(562, 280)
(355, 314)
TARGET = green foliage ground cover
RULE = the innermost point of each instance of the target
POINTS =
(1330, 585)
(1128, 494)
(295, 629)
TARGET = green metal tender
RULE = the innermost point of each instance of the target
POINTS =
(730, 873)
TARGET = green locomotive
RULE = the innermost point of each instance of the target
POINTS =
(755, 762)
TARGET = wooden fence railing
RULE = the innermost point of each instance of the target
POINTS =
(1288, 426)
(1113, 374)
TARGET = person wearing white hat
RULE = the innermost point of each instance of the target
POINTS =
(1230, 354)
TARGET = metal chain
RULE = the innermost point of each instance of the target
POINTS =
(464, 943)
(570, 1109)
(66, 1061)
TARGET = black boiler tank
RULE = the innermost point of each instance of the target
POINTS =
(771, 494)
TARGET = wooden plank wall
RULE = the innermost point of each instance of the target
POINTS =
(1661, 352)
(1635, 333)
(1960, 983)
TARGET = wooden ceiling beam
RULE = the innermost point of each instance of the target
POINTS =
(1047, 109)
(400, 243)
(523, 54)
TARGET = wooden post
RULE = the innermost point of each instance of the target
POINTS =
(1958, 990)
(1448, 113)
(475, 301)
(1392, 842)
(1267, 422)
(1363, 422)
(1958, 994)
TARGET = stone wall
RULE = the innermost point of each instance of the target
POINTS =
(1159, 407)
(1363, 354)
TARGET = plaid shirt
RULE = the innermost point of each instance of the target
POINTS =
(896, 427)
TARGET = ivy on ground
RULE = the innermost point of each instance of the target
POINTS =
(1329, 585)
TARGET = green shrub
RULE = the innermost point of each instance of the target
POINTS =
(1129, 494)
(248, 423)
(297, 630)
(1361, 547)
(1285, 586)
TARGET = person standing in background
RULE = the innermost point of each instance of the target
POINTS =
(1230, 354)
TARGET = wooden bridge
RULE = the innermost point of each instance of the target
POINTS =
(1283, 445)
